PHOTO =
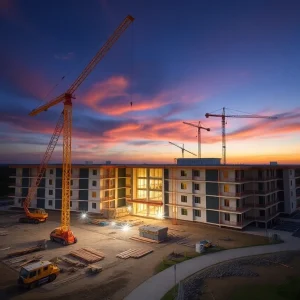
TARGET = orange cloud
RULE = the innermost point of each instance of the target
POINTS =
(111, 97)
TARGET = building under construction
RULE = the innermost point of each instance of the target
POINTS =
(196, 190)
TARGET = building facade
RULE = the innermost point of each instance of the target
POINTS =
(230, 196)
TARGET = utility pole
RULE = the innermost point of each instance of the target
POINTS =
(199, 134)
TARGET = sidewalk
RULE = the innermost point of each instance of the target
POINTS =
(157, 286)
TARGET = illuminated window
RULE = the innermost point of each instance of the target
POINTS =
(156, 173)
(226, 202)
(142, 183)
(155, 184)
(226, 188)
(94, 194)
(141, 172)
(183, 186)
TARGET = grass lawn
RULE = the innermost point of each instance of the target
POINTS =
(290, 290)
(167, 262)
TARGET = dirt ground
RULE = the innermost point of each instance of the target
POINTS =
(224, 288)
(119, 276)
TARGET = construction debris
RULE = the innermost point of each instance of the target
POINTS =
(92, 269)
(40, 246)
(99, 222)
(134, 253)
(73, 263)
(17, 263)
(88, 255)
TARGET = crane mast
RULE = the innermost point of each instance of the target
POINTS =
(223, 117)
(199, 127)
(63, 234)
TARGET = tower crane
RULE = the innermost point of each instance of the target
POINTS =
(223, 117)
(199, 134)
(63, 234)
(182, 149)
(39, 215)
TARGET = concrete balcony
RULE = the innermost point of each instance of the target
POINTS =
(236, 209)
(264, 205)
(107, 186)
(107, 198)
(232, 223)
(107, 176)
(236, 179)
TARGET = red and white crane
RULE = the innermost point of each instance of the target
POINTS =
(183, 149)
(223, 117)
(199, 134)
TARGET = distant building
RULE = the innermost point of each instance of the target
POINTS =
(196, 190)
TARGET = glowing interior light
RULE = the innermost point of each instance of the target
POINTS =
(160, 215)
(113, 223)
(83, 215)
(129, 208)
(125, 228)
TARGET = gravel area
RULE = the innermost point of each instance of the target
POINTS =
(193, 286)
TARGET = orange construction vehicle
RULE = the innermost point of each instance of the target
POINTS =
(63, 234)
(39, 215)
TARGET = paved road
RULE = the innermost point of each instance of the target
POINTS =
(155, 287)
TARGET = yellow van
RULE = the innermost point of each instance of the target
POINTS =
(37, 273)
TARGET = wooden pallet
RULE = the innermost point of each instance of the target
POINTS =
(94, 251)
(144, 240)
(87, 256)
(134, 253)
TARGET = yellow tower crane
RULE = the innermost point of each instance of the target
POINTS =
(63, 234)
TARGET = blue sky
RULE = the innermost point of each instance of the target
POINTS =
(176, 62)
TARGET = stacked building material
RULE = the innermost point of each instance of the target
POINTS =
(134, 253)
(88, 255)
(154, 232)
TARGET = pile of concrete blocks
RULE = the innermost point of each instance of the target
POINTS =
(154, 232)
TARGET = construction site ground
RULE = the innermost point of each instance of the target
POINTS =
(119, 276)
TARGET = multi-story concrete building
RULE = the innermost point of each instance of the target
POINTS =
(198, 190)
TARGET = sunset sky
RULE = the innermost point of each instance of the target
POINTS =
(176, 62)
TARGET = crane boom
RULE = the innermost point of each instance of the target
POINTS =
(63, 234)
(223, 117)
(88, 69)
(183, 149)
(43, 165)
